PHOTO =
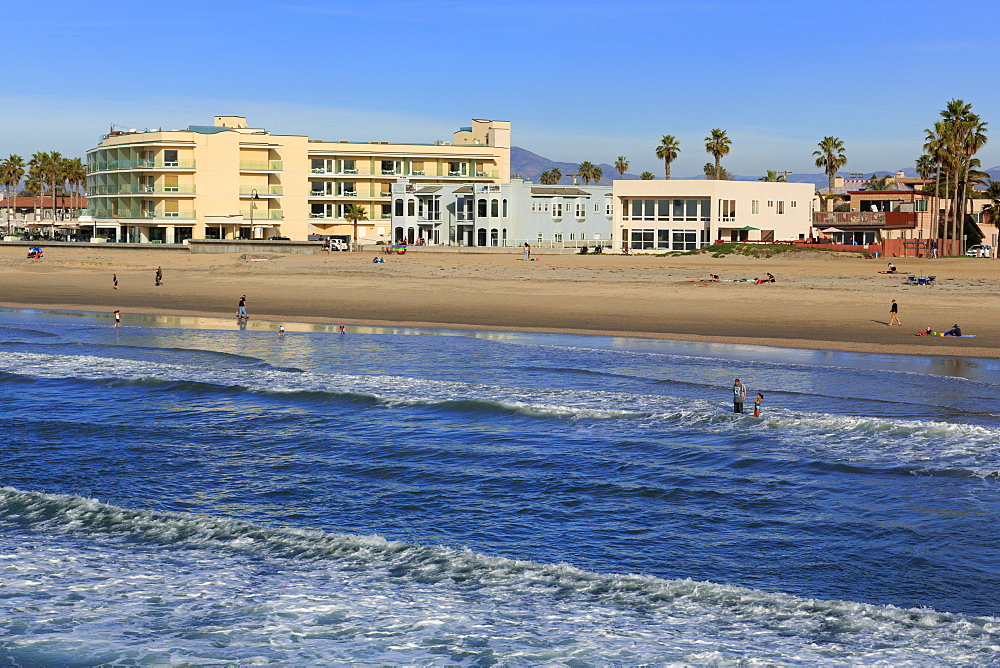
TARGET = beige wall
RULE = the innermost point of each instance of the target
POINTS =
(795, 198)
(219, 178)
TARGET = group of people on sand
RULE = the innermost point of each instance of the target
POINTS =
(740, 396)
(769, 278)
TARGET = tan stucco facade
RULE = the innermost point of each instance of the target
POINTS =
(228, 180)
(658, 216)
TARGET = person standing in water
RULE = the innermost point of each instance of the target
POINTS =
(756, 404)
(281, 330)
(242, 310)
(739, 396)
(118, 318)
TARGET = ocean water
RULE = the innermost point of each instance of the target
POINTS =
(183, 492)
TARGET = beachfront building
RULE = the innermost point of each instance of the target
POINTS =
(501, 214)
(903, 210)
(679, 215)
(230, 181)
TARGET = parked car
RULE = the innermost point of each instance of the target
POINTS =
(980, 250)
(279, 239)
(337, 244)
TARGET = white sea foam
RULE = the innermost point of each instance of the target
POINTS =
(920, 444)
(86, 582)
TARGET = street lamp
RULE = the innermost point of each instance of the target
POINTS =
(253, 197)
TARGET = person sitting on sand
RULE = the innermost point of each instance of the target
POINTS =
(770, 277)
(714, 278)
(954, 331)
(892, 268)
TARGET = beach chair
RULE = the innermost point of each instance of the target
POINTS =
(930, 279)
(911, 280)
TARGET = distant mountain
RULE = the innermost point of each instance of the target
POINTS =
(531, 165)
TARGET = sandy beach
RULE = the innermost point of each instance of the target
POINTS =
(820, 300)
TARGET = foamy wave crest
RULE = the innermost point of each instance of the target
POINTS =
(918, 444)
(86, 582)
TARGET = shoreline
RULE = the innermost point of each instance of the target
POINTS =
(798, 344)
(821, 301)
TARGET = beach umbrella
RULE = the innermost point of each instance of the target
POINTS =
(830, 230)
(37, 249)
(746, 228)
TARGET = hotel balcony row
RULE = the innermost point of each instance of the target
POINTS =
(138, 164)
(141, 213)
(172, 191)
(258, 214)
(428, 173)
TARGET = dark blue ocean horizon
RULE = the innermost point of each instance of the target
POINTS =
(180, 491)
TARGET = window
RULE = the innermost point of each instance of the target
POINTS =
(349, 189)
(505, 208)
(171, 209)
(770, 203)
(727, 209)
(386, 211)
(581, 210)
(755, 206)
(793, 204)
(781, 207)
(417, 168)
(170, 158)
(458, 169)
(347, 167)
(170, 183)
(392, 167)
(642, 239)
(608, 211)
(481, 208)
(411, 208)
(685, 240)
(572, 236)
(539, 237)
(495, 208)
(557, 209)
(597, 207)
(663, 238)
(921, 205)
(558, 237)
(399, 207)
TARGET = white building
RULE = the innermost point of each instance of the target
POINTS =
(502, 214)
(659, 216)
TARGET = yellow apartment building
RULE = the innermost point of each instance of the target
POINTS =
(230, 181)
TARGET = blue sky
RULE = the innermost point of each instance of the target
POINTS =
(579, 80)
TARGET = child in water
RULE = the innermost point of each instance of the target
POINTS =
(756, 404)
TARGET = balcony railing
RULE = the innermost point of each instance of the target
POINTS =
(263, 214)
(417, 172)
(864, 218)
(349, 193)
(261, 190)
(139, 213)
(145, 163)
(136, 189)
(270, 165)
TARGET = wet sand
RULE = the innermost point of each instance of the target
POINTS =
(820, 300)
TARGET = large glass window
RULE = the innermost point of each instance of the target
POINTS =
(481, 208)
(663, 237)
(642, 238)
(170, 157)
(663, 209)
(691, 207)
(706, 209)
(678, 209)
(557, 209)
(495, 209)
(399, 207)
(685, 240)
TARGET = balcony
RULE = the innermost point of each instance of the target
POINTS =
(349, 193)
(417, 172)
(262, 191)
(455, 173)
(140, 213)
(136, 189)
(139, 164)
(872, 219)
(263, 214)
(260, 165)
(391, 172)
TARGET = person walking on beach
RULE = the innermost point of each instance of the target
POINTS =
(527, 251)
(739, 396)
(159, 277)
(242, 311)
(114, 280)
(894, 314)
(756, 404)
(118, 318)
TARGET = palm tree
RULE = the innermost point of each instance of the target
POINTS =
(586, 171)
(992, 193)
(717, 173)
(772, 177)
(11, 173)
(878, 183)
(717, 143)
(667, 151)
(355, 213)
(647, 176)
(621, 166)
(596, 174)
(831, 158)
(76, 176)
(37, 177)
(926, 166)
(54, 175)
